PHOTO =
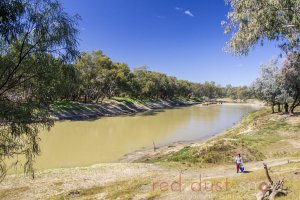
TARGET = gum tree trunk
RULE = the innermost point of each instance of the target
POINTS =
(273, 104)
(286, 107)
(279, 107)
(294, 105)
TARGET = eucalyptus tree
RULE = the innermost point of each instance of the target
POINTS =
(95, 74)
(151, 85)
(123, 77)
(211, 90)
(66, 82)
(242, 93)
(171, 87)
(31, 32)
(87, 71)
(291, 79)
(253, 21)
(284, 96)
(145, 83)
(184, 88)
(280, 84)
(266, 86)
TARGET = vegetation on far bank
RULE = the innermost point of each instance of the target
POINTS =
(66, 105)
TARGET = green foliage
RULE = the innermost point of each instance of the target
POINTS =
(252, 21)
(101, 78)
(266, 87)
(37, 38)
(185, 154)
(280, 85)
(242, 93)
(291, 78)
(94, 70)
(129, 100)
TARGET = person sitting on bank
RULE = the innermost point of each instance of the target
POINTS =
(238, 162)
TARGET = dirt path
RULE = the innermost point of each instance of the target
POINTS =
(50, 183)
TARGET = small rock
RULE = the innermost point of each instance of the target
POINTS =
(74, 193)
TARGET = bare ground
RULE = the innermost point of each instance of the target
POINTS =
(69, 182)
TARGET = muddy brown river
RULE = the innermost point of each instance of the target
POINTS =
(84, 143)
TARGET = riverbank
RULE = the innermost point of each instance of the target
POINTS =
(70, 110)
(261, 137)
(147, 154)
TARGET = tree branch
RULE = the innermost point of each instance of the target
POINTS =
(267, 173)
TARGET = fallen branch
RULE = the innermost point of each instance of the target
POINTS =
(267, 173)
(269, 191)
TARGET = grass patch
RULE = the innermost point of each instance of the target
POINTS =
(132, 101)
(192, 99)
(8, 193)
(71, 106)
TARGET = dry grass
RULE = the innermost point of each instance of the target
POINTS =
(5, 193)
(126, 189)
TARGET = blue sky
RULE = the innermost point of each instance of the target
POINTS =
(182, 38)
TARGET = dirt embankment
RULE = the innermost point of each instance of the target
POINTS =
(113, 107)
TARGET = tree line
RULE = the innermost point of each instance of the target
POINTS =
(94, 77)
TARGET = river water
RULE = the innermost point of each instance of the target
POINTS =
(83, 143)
